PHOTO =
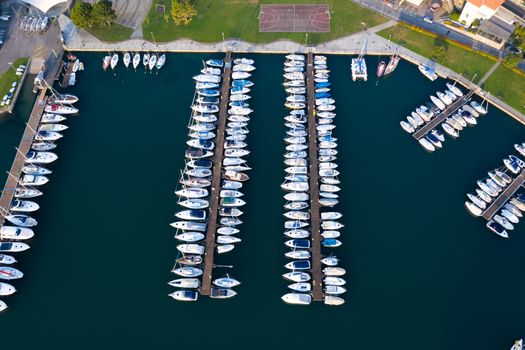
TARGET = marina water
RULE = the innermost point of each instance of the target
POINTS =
(423, 273)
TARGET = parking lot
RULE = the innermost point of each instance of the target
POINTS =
(38, 44)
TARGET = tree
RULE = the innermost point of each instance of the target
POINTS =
(82, 14)
(512, 59)
(182, 11)
(439, 53)
(103, 14)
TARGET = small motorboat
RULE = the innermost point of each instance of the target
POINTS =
(145, 59)
(127, 59)
(298, 265)
(303, 287)
(6, 289)
(298, 254)
(225, 248)
(136, 60)
(10, 273)
(21, 220)
(190, 237)
(114, 60)
(454, 89)
(24, 192)
(478, 107)
(190, 260)
(222, 293)
(227, 230)
(427, 144)
(33, 169)
(297, 298)
(333, 300)
(226, 282)
(24, 206)
(43, 146)
(152, 61)
(52, 118)
(192, 192)
(60, 109)
(184, 295)
(330, 261)
(189, 226)
(16, 233)
(61, 99)
(298, 243)
(105, 62)
(439, 104)
(227, 239)
(503, 222)
(195, 203)
(33, 180)
(334, 290)
(185, 283)
(191, 248)
(215, 63)
(192, 214)
(160, 61)
(297, 276)
(187, 271)
(334, 281)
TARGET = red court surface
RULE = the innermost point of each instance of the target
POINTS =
(306, 18)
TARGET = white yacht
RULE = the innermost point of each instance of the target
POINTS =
(226, 282)
(333, 300)
(187, 271)
(16, 233)
(185, 283)
(297, 298)
(184, 295)
(6, 289)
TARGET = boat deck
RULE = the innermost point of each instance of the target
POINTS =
(437, 120)
(317, 288)
(24, 147)
(216, 178)
(508, 192)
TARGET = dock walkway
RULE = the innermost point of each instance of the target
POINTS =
(425, 129)
(24, 147)
(216, 179)
(67, 75)
(317, 288)
(508, 192)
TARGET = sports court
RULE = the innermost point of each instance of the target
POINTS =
(305, 18)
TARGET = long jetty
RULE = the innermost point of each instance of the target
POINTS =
(216, 179)
(317, 288)
(425, 129)
(24, 147)
(508, 192)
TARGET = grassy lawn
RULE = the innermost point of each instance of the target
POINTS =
(8, 77)
(459, 59)
(113, 33)
(507, 86)
(239, 19)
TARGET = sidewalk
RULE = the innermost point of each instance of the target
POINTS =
(80, 40)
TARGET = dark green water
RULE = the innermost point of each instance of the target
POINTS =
(423, 274)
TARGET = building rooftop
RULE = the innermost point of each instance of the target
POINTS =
(492, 4)
(497, 27)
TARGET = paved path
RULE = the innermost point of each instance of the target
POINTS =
(489, 73)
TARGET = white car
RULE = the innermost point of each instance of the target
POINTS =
(5, 18)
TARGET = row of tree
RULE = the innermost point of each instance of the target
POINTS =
(85, 15)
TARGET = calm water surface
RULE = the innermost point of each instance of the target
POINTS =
(423, 274)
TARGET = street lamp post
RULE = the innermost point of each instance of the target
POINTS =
(223, 42)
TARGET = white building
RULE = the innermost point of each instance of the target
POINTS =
(48, 7)
(479, 9)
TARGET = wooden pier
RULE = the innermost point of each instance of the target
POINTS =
(437, 120)
(317, 287)
(24, 147)
(508, 192)
(67, 74)
(216, 178)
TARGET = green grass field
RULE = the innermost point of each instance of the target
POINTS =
(507, 86)
(457, 58)
(9, 76)
(113, 33)
(239, 19)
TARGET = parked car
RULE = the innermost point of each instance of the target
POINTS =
(5, 18)
(435, 6)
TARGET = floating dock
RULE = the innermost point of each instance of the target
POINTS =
(425, 129)
(507, 193)
(216, 178)
(24, 147)
(317, 288)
